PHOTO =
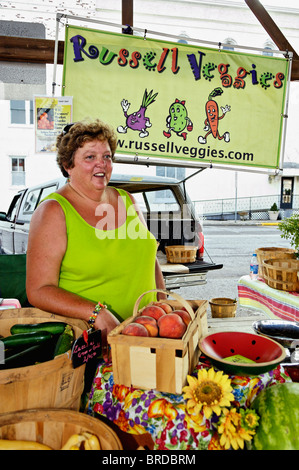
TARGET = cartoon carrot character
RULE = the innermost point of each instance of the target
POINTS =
(212, 120)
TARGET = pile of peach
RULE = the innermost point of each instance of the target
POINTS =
(159, 319)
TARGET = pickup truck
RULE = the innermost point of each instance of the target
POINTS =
(168, 211)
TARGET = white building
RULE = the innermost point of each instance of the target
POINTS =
(225, 21)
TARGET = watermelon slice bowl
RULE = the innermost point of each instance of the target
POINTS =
(240, 353)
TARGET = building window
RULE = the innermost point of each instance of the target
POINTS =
(269, 47)
(229, 44)
(21, 112)
(183, 38)
(18, 171)
(178, 173)
(171, 172)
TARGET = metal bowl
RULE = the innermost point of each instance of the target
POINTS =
(283, 331)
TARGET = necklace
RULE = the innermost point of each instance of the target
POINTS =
(83, 195)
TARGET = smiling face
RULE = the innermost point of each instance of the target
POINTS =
(92, 166)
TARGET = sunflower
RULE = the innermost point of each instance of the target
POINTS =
(234, 428)
(208, 392)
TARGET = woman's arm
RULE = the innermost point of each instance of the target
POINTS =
(46, 247)
(160, 284)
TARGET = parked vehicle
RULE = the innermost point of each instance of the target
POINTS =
(168, 211)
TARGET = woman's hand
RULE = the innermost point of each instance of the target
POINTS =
(105, 322)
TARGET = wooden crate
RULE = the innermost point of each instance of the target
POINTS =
(158, 363)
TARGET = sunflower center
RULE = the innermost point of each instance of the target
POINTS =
(208, 392)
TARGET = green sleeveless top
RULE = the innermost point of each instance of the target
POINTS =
(111, 266)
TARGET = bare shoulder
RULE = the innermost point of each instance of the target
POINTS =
(49, 212)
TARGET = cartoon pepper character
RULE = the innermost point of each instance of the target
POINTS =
(137, 121)
(178, 120)
(212, 120)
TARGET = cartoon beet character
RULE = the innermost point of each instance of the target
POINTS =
(178, 120)
(137, 121)
(213, 118)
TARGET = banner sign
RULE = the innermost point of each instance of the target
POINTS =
(51, 116)
(178, 101)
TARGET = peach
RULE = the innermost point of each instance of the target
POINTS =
(185, 316)
(166, 307)
(171, 326)
(150, 324)
(135, 329)
(153, 311)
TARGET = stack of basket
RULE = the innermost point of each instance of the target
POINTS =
(279, 267)
(272, 253)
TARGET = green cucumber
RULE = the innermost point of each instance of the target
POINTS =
(65, 341)
(53, 327)
(27, 356)
(23, 339)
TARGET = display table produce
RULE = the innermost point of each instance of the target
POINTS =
(273, 302)
(211, 406)
(167, 418)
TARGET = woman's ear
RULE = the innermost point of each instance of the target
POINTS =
(67, 170)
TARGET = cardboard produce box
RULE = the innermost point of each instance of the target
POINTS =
(154, 362)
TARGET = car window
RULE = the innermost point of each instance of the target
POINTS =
(31, 201)
(139, 198)
(157, 201)
(13, 208)
(162, 201)
(46, 191)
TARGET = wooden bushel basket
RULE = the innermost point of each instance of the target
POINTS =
(158, 363)
(181, 253)
(223, 307)
(51, 384)
(282, 274)
(272, 253)
(53, 427)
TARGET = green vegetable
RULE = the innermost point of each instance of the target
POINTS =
(65, 341)
(238, 358)
(26, 357)
(278, 408)
(51, 326)
(23, 339)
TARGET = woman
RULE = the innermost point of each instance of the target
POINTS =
(89, 252)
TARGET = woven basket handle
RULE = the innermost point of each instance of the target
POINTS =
(173, 294)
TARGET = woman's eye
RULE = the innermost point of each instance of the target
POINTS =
(108, 156)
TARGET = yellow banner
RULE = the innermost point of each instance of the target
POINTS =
(178, 101)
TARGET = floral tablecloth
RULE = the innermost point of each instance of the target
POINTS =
(166, 416)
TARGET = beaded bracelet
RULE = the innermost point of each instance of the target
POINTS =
(95, 313)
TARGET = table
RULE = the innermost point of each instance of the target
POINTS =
(273, 302)
(164, 416)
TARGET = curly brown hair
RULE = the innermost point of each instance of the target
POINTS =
(76, 135)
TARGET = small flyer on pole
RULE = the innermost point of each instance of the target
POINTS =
(52, 114)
